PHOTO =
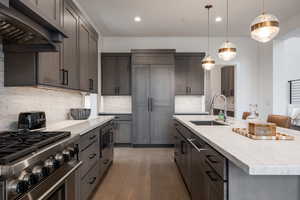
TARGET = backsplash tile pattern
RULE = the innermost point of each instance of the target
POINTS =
(122, 104)
(189, 104)
(14, 100)
(115, 104)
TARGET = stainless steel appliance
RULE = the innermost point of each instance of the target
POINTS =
(37, 165)
(106, 146)
(32, 120)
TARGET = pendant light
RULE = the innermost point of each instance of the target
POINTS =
(264, 27)
(208, 63)
(228, 50)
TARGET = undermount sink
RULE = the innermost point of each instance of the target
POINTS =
(207, 123)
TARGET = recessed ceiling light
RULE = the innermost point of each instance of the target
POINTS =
(137, 19)
(219, 19)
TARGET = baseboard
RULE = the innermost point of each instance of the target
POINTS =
(153, 145)
(123, 145)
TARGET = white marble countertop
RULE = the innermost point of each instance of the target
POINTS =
(79, 127)
(255, 157)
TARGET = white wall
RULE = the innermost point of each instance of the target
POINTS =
(247, 60)
(286, 67)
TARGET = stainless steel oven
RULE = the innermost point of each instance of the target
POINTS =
(106, 146)
(61, 185)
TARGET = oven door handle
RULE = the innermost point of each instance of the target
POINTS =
(60, 182)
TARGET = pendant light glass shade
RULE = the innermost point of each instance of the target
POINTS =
(208, 63)
(264, 28)
(227, 51)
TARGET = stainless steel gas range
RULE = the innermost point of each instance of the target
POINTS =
(38, 166)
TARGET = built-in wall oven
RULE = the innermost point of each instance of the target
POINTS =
(106, 146)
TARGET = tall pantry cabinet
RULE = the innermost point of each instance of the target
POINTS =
(152, 96)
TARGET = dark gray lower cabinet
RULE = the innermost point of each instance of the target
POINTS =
(95, 162)
(204, 170)
(123, 132)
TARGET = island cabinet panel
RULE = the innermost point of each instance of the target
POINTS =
(116, 74)
(203, 170)
(189, 74)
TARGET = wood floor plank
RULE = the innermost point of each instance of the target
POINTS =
(142, 174)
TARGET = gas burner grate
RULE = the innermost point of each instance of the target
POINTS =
(15, 145)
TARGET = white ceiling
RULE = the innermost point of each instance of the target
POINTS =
(179, 17)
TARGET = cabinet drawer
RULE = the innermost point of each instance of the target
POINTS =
(89, 182)
(182, 130)
(89, 157)
(88, 138)
(216, 161)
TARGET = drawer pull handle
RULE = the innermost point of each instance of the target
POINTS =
(92, 156)
(92, 181)
(211, 159)
(191, 141)
(212, 176)
(106, 162)
(92, 137)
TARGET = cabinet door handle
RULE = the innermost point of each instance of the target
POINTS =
(186, 90)
(66, 77)
(190, 90)
(92, 156)
(151, 104)
(212, 176)
(92, 181)
(148, 104)
(91, 83)
(62, 76)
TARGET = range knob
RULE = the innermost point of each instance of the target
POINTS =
(17, 187)
(67, 155)
(52, 164)
(29, 178)
(72, 151)
(60, 158)
(40, 172)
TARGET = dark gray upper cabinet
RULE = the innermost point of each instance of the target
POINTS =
(227, 80)
(70, 47)
(116, 73)
(74, 66)
(93, 64)
(51, 8)
(189, 74)
(84, 56)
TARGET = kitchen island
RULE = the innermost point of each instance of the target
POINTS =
(238, 168)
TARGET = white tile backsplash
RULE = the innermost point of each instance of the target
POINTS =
(13, 100)
(115, 104)
(122, 104)
(189, 104)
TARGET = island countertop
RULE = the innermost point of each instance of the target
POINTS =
(255, 157)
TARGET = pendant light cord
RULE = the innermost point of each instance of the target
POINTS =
(227, 23)
(208, 31)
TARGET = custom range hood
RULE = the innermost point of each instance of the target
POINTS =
(23, 28)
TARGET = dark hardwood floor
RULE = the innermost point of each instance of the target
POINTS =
(142, 174)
